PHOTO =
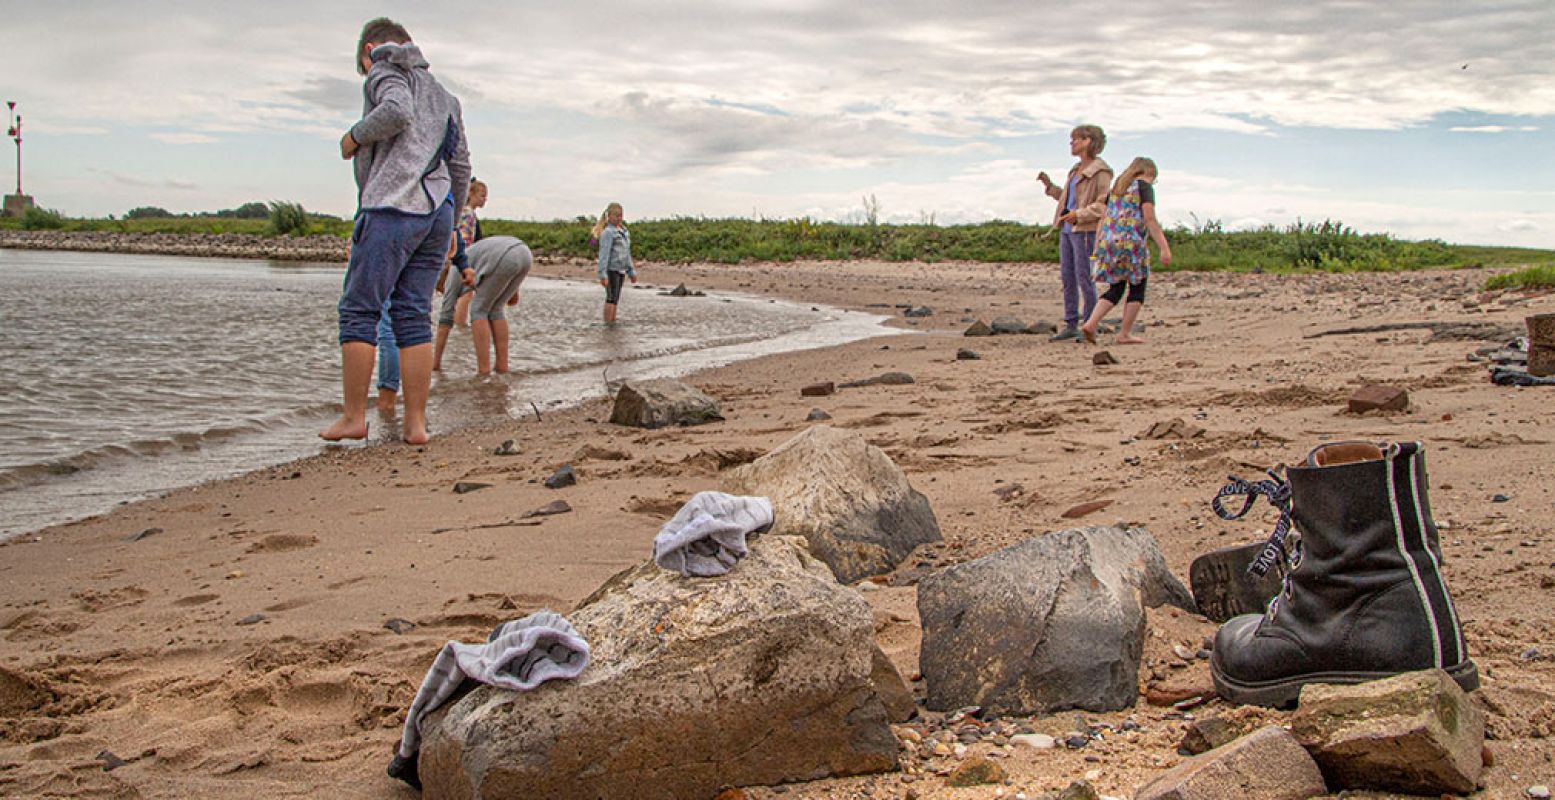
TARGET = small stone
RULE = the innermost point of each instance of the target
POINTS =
(1530, 654)
(562, 477)
(1075, 741)
(507, 448)
(968, 355)
(1083, 509)
(1376, 397)
(465, 487)
(978, 328)
(942, 749)
(1184, 653)
(251, 619)
(235, 574)
(1500, 498)
(400, 626)
(959, 750)
(1537, 792)
(817, 415)
(918, 311)
(818, 389)
(549, 509)
(1036, 741)
(135, 537)
(1104, 358)
(112, 762)
(975, 772)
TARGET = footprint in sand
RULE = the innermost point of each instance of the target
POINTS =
(94, 602)
(195, 600)
(282, 542)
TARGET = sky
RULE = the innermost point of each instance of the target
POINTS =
(1423, 119)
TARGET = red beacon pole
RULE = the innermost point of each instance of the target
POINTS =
(15, 132)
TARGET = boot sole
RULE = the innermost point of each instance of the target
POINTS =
(1283, 693)
(1223, 589)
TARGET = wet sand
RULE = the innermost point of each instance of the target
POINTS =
(239, 648)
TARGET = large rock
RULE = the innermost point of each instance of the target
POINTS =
(1416, 733)
(1054, 622)
(757, 677)
(1268, 765)
(661, 403)
(844, 496)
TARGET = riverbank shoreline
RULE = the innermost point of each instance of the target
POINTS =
(229, 639)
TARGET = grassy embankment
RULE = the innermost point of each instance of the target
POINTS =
(1328, 246)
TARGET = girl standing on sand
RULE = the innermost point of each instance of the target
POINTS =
(615, 258)
(1122, 258)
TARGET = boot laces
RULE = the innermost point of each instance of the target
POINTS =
(1277, 491)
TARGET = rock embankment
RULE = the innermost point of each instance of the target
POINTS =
(319, 247)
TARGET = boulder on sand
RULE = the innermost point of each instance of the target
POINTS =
(661, 403)
(1052, 623)
(844, 496)
(757, 677)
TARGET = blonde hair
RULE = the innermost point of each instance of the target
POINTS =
(1094, 135)
(1137, 167)
(604, 219)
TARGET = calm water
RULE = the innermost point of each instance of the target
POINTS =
(127, 376)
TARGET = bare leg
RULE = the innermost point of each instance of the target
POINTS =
(610, 313)
(1103, 305)
(415, 380)
(499, 341)
(441, 341)
(1126, 331)
(386, 402)
(356, 372)
(480, 331)
(462, 308)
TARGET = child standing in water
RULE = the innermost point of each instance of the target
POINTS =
(1122, 257)
(615, 258)
(470, 231)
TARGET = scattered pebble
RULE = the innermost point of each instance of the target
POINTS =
(252, 619)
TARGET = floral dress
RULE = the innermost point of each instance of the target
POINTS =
(1121, 253)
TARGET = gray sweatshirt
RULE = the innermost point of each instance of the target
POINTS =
(412, 152)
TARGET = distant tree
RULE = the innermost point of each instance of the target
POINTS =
(248, 211)
(42, 219)
(148, 212)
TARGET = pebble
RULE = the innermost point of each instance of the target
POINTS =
(959, 751)
(1538, 792)
(252, 619)
(1075, 741)
(1038, 741)
(1184, 653)
(1531, 654)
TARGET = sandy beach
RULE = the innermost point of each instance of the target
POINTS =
(229, 639)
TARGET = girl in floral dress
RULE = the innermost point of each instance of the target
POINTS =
(1122, 258)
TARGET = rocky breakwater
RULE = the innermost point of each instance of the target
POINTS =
(758, 677)
(318, 247)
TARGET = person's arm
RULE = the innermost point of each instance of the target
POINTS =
(389, 91)
(459, 164)
(1049, 187)
(631, 269)
(1097, 208)
(1148, 210)
(607, 240)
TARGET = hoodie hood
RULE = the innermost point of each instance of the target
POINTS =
(404, 56)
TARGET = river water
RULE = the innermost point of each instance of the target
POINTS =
(125, 376)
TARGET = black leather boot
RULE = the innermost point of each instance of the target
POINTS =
(1363, 595)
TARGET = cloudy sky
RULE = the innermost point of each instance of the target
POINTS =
(1424, 119)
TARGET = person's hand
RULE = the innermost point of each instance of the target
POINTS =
(440, 283)
(1069, 217)
(634, 279)
(1166, 256)
(348, 146)
(513, 301)
(1046, 181)
(604, 283)
(468, 276)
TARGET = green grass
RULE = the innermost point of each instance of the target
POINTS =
(1328, 246)
(1541, 276)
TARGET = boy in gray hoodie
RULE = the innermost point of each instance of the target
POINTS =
(412, 170)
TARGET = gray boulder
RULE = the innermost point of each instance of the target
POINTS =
(1052, 623)
(1008, 325)
(661, 403)
(844, 496)
(758, 677)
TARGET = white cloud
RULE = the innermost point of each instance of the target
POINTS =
(1493, 128)
(184, 138)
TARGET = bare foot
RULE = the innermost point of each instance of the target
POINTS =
(1089, 332)
(345, 428)
(1121, 339)
(417, 436)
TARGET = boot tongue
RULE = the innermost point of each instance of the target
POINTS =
(1330, 455)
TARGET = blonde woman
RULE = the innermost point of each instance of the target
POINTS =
(1081, 202)
(615, 257)
(1122, 258)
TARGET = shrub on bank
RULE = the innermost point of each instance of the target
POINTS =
(42, 219)
(1535, 277)
(288, 219)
